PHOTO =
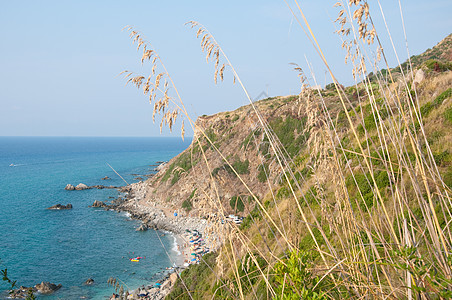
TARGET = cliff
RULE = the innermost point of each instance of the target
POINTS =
(336, 186)
(200, 173)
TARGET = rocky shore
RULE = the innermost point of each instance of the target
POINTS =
(155, 216)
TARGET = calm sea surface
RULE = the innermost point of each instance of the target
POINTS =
(70, 246)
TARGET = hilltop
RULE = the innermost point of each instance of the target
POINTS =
(330, 177)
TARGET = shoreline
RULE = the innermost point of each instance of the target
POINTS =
(154, 216)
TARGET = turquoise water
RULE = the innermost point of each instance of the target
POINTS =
(70, 246)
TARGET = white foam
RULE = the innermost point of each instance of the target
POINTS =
(175, 249)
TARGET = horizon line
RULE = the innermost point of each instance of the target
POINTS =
(90, 136)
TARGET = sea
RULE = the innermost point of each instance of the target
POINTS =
(69, 246)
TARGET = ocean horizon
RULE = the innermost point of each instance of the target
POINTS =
(69, 246)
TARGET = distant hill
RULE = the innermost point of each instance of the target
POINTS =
(436, 59)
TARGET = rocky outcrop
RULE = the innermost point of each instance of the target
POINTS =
(418, 77)
(60, 206)
(155, 218)
(69, 187)
(81, 186)
(47, 287)
(21, 292)
(143, 227)
(98, 203)
(42, 288)
(158, 291)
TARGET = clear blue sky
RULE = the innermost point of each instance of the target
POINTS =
(60, 60)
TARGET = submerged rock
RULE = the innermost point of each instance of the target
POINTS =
(60, 206)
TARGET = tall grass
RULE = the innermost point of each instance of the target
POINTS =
(360, 211)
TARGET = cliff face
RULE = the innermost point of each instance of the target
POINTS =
(200, 173)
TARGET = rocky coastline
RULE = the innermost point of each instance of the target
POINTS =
(154, 216)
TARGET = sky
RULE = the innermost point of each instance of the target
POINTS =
(60, 60)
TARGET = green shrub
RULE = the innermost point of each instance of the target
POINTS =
(442, 157)
(443, 96)
(247, 143)
(295, 279)
(241, 167)
(437, 66)
(249, 270)
(184, 161)
(382, 179)
(187, 205)
(290, 133)
(429, 106)
(253, 215)
(263, 171)
(282, 193)
(196, 279)
(448, 115)
(447, 177)
(369, 122)
(192, 194)
(235, 118)
(237, 204)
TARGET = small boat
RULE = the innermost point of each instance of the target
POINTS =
(11, 165)
(136, 258)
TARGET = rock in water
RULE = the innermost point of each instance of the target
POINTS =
(89, 281)
(47, 287)
(98, 203)
(59, 206)
(143, 227)
(69, 187)
(81, 186)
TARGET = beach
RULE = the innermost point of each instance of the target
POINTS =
(189, 235)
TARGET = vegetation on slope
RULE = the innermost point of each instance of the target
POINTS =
(347, 189)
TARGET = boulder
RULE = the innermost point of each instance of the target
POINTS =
(47, 287)
(69, 187)
(418, 77)
(20, 293)
(98, 203)
(143, 227)
(60, 206)
(89, 281)
(81, 186)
